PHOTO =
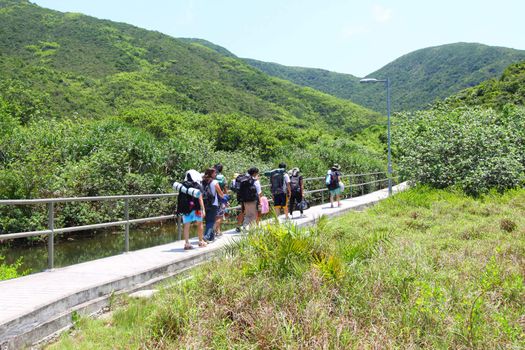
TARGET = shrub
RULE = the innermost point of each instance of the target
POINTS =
(472, 148)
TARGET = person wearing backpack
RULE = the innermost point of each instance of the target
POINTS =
(211, 193)
(333, 182)
(280, 189)
(192, 209)
(249, 193)
(223, 202)
(297, 191)
(234, 186)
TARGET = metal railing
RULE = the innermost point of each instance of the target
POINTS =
(52, 230)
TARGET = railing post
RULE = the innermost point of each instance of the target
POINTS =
(179, 227)
(322, 197)
(350, 185)
(126, 217)
(51, 236)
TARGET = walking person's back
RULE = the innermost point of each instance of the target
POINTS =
(333, 182)
(296, 190)
(280, 188)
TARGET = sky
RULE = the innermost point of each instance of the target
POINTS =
(348, 36)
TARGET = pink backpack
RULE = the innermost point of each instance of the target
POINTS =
(265, 205)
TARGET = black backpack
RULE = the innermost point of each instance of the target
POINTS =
(295, 183)
(208, 197)
(247, 191)
(277, 183)
(334, 180)
(187, 203)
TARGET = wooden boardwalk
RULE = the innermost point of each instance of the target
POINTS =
(35, 306)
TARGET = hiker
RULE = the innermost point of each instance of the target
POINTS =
(297, 191)
(211, 193)
(234, 186)
(280, 189)
(192, 209)
(333, 182)
(249, 193)
(223, 202)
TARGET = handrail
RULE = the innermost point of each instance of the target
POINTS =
(51, 231)
(84, 199)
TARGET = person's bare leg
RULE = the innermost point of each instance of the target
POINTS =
(186, 230)
(200, 234)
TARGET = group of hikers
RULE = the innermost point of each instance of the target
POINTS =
(205, 198)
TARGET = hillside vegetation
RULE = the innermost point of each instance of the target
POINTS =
(497, 92)
(418, 78)
(429, 269)
(474, 140)
(92, 107)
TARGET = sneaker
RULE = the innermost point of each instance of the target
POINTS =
(302, 216)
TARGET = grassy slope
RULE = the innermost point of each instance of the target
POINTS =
(109, 66)
(495, 93)
(418, 78)
(424, 269)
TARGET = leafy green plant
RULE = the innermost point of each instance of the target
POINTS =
(474, 149)
(8, 271)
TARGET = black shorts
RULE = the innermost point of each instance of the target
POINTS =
(280, 200)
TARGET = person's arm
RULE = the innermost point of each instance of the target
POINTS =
(258, 188)
(302, 187)
(288, 187)
(201, 202)
(218, 189)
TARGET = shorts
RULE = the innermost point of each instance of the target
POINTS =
(194, 216)
(280, 200)
(335, 192)
(221, 211)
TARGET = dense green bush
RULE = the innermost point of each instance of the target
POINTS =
(10, 271)
(475, 149)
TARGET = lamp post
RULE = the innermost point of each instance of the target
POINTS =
(387, 84)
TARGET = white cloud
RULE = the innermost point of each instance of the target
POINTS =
(381, 13)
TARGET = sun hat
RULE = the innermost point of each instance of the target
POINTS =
(193, 175)
(336, 166)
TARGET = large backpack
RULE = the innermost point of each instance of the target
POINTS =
(208, 196)
(185, 202)
(295, 183)
(277, 183)
(247, 191)
(334, 180)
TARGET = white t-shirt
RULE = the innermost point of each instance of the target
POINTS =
(214, 192)
(257, 185)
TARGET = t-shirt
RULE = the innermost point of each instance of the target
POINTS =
(221, 179)
(257, 185)
(213, 191)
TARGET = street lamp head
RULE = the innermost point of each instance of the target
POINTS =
(372, 80)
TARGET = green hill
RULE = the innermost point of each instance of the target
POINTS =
(115, 65)
(418, 78)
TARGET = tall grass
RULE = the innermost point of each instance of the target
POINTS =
(424, 269)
